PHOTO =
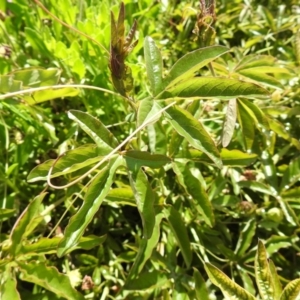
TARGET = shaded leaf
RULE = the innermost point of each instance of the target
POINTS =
(179, 230)
(149, 280)
(276, 281)
(121, 196)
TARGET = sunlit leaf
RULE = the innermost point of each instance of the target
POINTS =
(193, 131)
(195, 189)
(245, 238)
(71, 161)
(8, 287)
(94, 197)
(263, 273)
(94, 128)
(154, 65)
(229, 123)
(229, 288)
(291, 291)
(212, 87)
(192, 62)
(50, 279)
(23, 225)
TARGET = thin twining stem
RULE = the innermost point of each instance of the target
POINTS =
(109, 156)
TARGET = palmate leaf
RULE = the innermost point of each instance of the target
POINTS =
(230, 289)
(212, 87)
(94, 197)
(263, 273)
(50, 279)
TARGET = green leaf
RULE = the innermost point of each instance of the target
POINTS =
(94, 196)
(23, 226)
(179, 230)
(200, 287)
(263, 273)
(192, 62)
(136, 159)
(247, 125)
(146, 248)
(148, 281)
(35, 77)
(145, 198)
(49, 246)
(6, 213)
(261, 78)
(8, 287)
(229, 157)
(146, 110)
(177, 139)
(195, 189)
(212, 87)
(50, 94)
(280, 130)
(193, 131)
(71, 161)
(288, 212)
(95, 129)
(154, 65)
(291, 291)
(276, 281)
(256, 113)
(269, 169)
(50, 279)
(229, 123)
(9, 85)
(291, 175)
(230, 289)
(245, 238)
(257, 186)
(121, 196)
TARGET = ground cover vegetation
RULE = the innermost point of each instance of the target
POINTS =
(149, 149)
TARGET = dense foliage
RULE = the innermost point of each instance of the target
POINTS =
(148, 145)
